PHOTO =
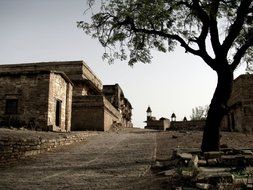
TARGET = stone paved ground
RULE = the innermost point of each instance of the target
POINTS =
(116, 160)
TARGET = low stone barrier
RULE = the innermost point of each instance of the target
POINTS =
(15, 148)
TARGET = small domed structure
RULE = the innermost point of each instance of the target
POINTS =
(173, 117)
(149, 113)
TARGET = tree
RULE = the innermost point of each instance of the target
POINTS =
(199, 113)
(142, 25)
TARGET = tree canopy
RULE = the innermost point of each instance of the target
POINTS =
(199, 113)
(142, 25)
(218, 31)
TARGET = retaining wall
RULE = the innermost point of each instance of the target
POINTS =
(13, 149)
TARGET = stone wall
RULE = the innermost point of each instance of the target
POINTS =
(59, 90)
(162, 124)
(111, 115)
(36, 93)
(114, 94)
(187, 125)
(75, 70)
(90, 110)
(14, 148)
(93, 113)
(240, 115)
(31, 91)
(90, 75)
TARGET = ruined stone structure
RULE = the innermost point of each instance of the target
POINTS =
(90, 109)
(116, 97)
(38, 99)
(162, 124)
(152, 123)
(192, 125)
(240, 114)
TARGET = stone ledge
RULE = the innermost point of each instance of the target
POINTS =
(16, 145)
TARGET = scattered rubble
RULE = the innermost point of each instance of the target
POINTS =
(225, 169)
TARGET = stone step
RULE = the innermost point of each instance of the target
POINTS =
(214, 178)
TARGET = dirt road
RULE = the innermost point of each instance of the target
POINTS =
(107, 161)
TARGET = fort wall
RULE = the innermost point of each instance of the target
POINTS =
(187, 125)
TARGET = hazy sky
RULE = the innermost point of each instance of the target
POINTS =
(45, 30)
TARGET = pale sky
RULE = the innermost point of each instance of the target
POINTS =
(45, 30)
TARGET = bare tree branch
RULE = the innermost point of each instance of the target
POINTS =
(214, 33)
(240, 52)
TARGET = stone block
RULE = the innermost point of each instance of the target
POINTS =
(232, 160)
(187, 173)
(185, 156)
(214, 169)
(203, 185)
(213, 154)
(212, 162)
(215, 178)
(246, 152)
(202, 162)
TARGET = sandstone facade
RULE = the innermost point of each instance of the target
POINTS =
(93, 113)
(116, 97)
(162, 124)
(240, 114)
(90, 109)
(36, 99)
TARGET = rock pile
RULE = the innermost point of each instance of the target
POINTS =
(225, 169)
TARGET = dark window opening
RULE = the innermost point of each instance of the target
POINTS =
(11, 106)
(58, 113)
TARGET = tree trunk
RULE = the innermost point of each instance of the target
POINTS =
(217, 110)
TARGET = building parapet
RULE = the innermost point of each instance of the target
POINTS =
(75, 70)
(161, 124)
(194, 125)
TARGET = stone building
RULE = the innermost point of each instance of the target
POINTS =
(38, 99)
(116, 97)
(152, 123)
(90, 108)
(240, 114)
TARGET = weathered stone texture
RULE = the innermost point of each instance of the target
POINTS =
(36, 93)
(111, 115)
(13, 149)
(75, 70)
(240, 116)
(161, 124)
(93, 113)
(188, 125)
(90, 110)
(115, 96)
(59, 90)
(31, 91)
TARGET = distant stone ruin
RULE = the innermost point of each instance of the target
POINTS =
(239, 115)
(152, 123)
(59, 96)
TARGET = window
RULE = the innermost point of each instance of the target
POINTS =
(58, 113)
(11, 106)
